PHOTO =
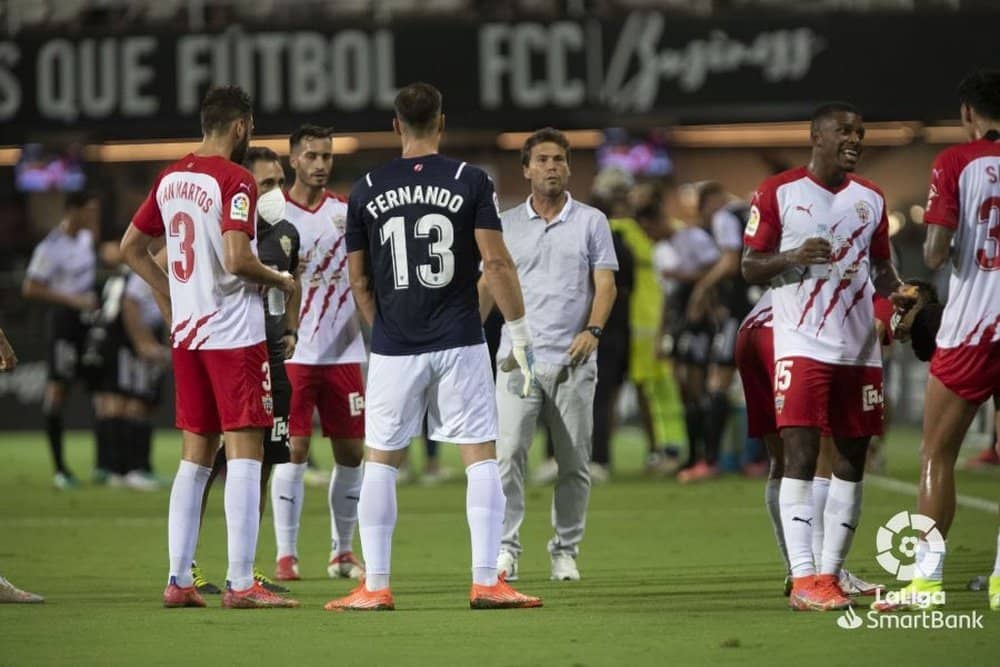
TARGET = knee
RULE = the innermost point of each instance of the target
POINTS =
(801, 451)
(348, 453)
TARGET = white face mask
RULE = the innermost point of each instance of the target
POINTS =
(271, 206)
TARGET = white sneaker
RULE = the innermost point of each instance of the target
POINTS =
(507, 565)
(599, 474)
(344, 566)
(11, 593)
(140, 481)
(316, 477)
(564, 568)
(439, 476)
(546, 473)
(852, 584)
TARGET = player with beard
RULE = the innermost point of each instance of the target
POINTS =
(205, 206)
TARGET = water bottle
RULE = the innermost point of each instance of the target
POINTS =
(275, 301)
(821, 270)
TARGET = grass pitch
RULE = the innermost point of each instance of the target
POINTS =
(671, 575)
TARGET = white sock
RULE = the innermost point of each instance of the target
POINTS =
(342, 497)
(843, 509)
(774, 512)
(484, 508)
(242, 520)
(377, 518)
(184, 518)
(287, 495)
(996, 563)
(821, 487)
(930, 565)
(795, 500)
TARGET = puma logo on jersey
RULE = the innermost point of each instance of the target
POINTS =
(805, 209)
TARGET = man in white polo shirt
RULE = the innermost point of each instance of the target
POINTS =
(566, 262)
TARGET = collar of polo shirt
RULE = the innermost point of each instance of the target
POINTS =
(563, 214)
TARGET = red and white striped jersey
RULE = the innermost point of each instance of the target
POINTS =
(194, 201)
(762, 315)
(965, 197)
(826, 318)
(329, 332)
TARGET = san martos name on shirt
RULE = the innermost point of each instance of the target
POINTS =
(415, 194)
(184, 190)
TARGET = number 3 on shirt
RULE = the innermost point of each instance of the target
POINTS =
(988, 257)
(393, 232)
(783, 374)
(181, 225)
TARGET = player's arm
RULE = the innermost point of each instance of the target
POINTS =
(728, 266)
(885, 277)
(239, 259)
(937, 246)
(8, 360)
(500, 274)
(141, 336)
(605, 291)
(760, 268)
(37, 290)
(135, 252)
(486, 302)
(361, 284)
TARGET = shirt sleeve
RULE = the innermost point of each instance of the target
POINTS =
(293, 260)
(42, 265)
(148, 218)
(708, 251)
(239, 204)
(487, 206)
(763, 232)
(601, 246)
(942, 200)
(727, 230)
(880, 239)
(355, 236)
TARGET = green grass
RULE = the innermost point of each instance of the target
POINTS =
(685, 575)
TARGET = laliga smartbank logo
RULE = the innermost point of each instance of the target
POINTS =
(923, 619)
(896, 544)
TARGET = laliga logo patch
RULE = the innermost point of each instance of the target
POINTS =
(239, 209)
(754, 220)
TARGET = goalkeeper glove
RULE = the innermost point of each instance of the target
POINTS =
(522, 353)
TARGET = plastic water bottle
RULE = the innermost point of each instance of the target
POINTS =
(821, 270)
(275, 301)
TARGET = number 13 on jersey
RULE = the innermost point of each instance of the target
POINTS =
(439, 233)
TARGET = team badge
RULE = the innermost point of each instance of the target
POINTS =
(864, 211)
(779, 402)
(268, 404)
(286, 245)
(754, 220)
(239, 208)
(340, 223)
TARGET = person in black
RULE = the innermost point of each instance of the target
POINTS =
(278, 248)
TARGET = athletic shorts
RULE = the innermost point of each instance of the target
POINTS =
(754, 357)
(972, 372)
(336, 390)
(844, 401)
(723, 352)
(276, 445)
(67, 338)
(453, 387)
(692, 344)
(223, 390)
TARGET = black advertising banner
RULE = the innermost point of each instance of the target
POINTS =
(647, 68)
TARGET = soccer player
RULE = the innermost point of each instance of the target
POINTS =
(566, 264)
(325, 371)
(416, 230)
(61, 273)
(821, 233)
(205, 205)
(963, 214)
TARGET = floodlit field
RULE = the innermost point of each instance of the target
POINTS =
(671, 575)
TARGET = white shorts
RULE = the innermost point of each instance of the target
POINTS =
(454, 388)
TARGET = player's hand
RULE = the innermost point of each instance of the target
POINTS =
(697, 308)
(814, 251)
(8, 360)
(287, 283)
(584, 344)
(289, 341)
(85, 302)
(908, 300)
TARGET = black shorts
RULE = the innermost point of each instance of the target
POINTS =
(67, 338)
(692, 344)
(723, 352)
(276, 445)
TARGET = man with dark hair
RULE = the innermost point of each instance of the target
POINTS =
(205, 206)
(61, 273)
(566, 263)
(325, 371)
(416, 230)
(963, 218)
(820, 235)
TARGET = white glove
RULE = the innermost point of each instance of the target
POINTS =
(524, 355)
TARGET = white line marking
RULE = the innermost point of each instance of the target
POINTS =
(971, 502)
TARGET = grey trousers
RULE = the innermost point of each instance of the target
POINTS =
(563, 397)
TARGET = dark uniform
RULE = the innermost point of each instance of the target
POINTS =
(733, 293)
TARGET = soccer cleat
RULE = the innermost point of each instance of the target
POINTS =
(599, 473)
(255, 597)
(65, 481)
(507, 565)
(700, 471)
(138, 480)
(995, 593)
(345, 566)
(564, 568)
(817, 593)
(12, 594)
(500, 596)
(287, 569)
(201, 584)
(268, 583)
(316, 477)
(918, 595)
(437, 476)
(174, 596)
(546, 473)
(362, 599)
(852, 584)
(988, 459)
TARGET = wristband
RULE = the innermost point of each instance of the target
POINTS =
(518, 330)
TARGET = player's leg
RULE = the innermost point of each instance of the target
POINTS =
(52, 406)
(518, 418)
(720, 377)
(994, 585)
(342, 413)
(569, 415)
(820, 491)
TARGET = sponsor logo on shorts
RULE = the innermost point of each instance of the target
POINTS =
(871, 398)
(356, 402)
(279, 432)
(239, 208)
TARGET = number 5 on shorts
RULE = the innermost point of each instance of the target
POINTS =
(783, 374)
